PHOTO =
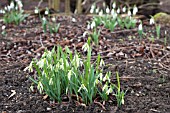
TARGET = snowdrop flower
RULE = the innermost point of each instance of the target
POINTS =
(118, 11)
(124, 9)
(20, 5)
(115, 15)
(84, 34)
(97, 10)
(129, 13)
(44, 19)
(88, 26)
(46, 12)
(93, 24)
(36, 11)
(135, 10)
(16, 7)
(53, 19)
(5, 8)
(152, 21)
(2, 11)
(73, 20)
(107, 10)
(8, 8)
(101, 13)
(140, 28)
(12, 5)
(112, 11)
(114, 5)
(92, 9)
(165, 32)
(3, 27)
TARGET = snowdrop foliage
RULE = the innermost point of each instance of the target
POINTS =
(13, 13)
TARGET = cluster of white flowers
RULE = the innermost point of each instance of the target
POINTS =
(12, 6)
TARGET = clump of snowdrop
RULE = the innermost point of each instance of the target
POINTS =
(13, 13)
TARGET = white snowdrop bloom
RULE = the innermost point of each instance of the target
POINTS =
(46, 12)
(12, 5)
(151, 22)
(5, 8)
(118, 11)
(93, 6)
(115, 15)
(101, 13)
(97, 10)
(53, 19)
(8, 8)
(84, 34)
(124, 9)
(112, 11)
(3, 27)
(93, 24)
(114, 5)
(16, 7)
(107, 10)
(20, 5)
(36, 11)
(92, 9)
(88, 26)
(129, 13)
(165, 32)
(140, 28)
(135, 10)
(44, 19)
(2, 11)
(73, 20)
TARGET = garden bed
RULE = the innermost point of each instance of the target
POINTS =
(143, 66)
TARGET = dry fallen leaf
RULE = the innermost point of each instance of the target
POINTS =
(45, 97)
(13, 93)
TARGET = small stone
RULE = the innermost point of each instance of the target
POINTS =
(48, 109)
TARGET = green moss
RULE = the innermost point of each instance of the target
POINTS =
(162, 18)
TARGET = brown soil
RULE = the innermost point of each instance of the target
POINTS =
(143, 67)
